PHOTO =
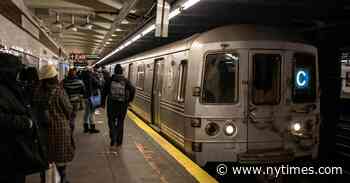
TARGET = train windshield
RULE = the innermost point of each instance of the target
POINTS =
(266, 79)
(304, 78)
(220, 85)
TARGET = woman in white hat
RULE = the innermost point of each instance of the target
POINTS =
(51, 100)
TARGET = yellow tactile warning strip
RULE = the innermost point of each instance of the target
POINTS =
(197, 172)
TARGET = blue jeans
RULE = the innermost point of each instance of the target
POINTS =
(89, 113)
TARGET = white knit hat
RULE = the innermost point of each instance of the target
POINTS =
(47, 71)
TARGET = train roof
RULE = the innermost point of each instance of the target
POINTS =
(224, 34)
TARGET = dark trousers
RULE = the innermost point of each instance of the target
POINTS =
(116, 112)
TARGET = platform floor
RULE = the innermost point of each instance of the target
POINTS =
(140, 160)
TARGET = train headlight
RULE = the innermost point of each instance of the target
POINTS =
(230, 129)
(296, 128)
(212, 129)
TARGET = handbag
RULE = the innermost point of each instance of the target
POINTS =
(95, 101)
(52, 175)
(30, 153)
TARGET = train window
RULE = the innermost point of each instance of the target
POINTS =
(140, 76)
(266, 79)
(220, 85)
(304, 78)
(131, 73)
(182, 81)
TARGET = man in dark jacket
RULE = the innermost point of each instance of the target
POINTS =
(119, 92)
(15, 122)
(92, 89)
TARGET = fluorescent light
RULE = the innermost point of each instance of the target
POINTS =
(174, 13)
(149, 29)
(110, 39)
(125, 22)
(127, 43)
(189, 4)
(108, 42)
(118, 30)
(114, 35)
(136, 38)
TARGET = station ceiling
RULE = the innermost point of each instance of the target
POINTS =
(132, 15)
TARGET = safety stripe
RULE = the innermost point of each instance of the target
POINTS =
(196, 171)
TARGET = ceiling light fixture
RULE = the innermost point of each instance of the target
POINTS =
(57, 23)
(118, 30)
(88, 25)
(72, 27)
(150, 28)
(125, 22)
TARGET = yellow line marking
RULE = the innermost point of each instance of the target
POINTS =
(197, 172)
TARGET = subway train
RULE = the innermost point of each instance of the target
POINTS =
(238, 93)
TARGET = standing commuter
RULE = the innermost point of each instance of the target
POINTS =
(53, 109)
(75, 89)
(16, 124)
(92, 89)
(119, 92)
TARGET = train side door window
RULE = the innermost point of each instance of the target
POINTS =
(220, 82)
(304, 78)
(140, 76)
(266, 79)
(182, 81)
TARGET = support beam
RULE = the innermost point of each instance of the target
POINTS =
(57, 4)
(128, 6)
(112, 3)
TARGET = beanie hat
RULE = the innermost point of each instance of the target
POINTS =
(47, 72)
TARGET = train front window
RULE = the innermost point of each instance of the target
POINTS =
(266, 79)
(304, 78)
(220, 85)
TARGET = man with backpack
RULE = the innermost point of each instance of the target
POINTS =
(119, 92)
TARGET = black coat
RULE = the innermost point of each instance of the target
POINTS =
(15, 124)
(130, 89)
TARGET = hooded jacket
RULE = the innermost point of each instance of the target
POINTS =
(130, 89)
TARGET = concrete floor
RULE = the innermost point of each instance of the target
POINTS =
(140, 160)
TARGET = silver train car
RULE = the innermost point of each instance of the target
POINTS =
(236, 93)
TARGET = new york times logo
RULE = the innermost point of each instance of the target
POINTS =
(222, 169)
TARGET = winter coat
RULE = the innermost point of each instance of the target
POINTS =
(15, 125)
(92, 84)
(54, 102)
(130, 89)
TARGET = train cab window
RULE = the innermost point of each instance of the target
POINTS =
(220, 84)
(266, 79)
(304, 78)
(182, 81)
(140, 76)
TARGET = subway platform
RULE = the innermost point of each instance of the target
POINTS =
(143, 158)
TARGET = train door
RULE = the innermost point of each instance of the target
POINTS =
(157, 90)
(264, 99)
